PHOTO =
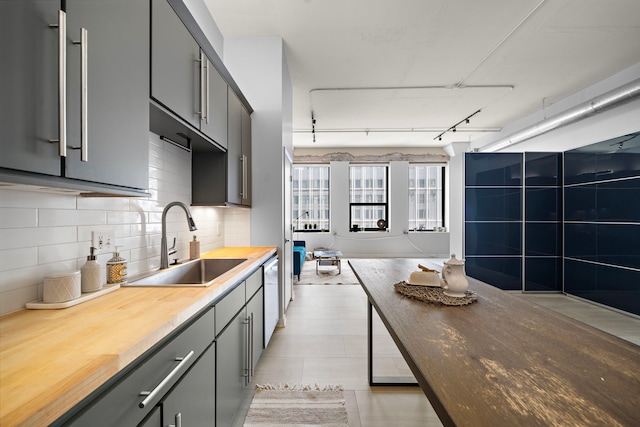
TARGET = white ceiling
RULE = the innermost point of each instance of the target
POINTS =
(381, 73)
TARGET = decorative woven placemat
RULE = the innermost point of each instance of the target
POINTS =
(433, 295)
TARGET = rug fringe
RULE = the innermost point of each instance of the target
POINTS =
(299, 387)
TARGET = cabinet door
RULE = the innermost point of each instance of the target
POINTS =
(246, 157)
(29, 86)
(234, 149)
(192, 402)
(175, 64)
(231, 369)
(255, 312)
(117, 91)
(154, 419)
(214, 123)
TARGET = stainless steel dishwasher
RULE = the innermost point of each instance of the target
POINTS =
(271, 306)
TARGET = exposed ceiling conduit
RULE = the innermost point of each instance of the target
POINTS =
(597, 105)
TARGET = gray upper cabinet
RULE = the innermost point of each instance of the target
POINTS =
(175, 64)
(234, 150)
(214, 123)
(101, 106)
(246, 153)
(238, 153)
(118, 95)
(29, 81)
(225, 178)
(183, 78)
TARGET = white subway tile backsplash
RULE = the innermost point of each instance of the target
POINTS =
(20, 277)
(62, 252)
(60, 217)
(12, 238)
(18, 217)
(45, 233)
(104, 203)
(18, 258)
(15, 299)
(34, 199)
(125, 217)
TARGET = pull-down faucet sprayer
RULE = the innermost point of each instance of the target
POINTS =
(164, 253)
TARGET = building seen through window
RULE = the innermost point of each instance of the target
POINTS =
(426, 197)
(368, 198)
(310, 198)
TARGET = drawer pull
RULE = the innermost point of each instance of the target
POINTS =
(150, 395)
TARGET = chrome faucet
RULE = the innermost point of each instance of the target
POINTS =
(164, 253)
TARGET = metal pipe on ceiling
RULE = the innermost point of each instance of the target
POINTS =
(597, 105)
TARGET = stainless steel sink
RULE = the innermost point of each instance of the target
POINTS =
(200, 272)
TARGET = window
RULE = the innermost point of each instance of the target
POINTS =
(311, 198)
(426, 197)
(368, 196)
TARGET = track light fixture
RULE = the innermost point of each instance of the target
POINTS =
(313, 127)
(466, 120)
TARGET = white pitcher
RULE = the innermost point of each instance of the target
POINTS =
(454, 281)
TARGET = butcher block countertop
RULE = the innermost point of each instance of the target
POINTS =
(51, 359)
(503, 361)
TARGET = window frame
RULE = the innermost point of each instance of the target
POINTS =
(385, 204)
(302, 222)
(441, 208)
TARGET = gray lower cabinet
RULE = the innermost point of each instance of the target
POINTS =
(104, 108)
(239, 345)
(198, 376)
(192, 402)
(231, 368)
(255, 312)
(130, 398)
(154, 419)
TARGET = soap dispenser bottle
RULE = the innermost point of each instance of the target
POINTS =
(91, 274)
(194, 249)
(116, 269)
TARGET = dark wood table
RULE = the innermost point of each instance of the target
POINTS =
(503, 361)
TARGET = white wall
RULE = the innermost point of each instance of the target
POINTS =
(43, 233)
(260, 69)
(394, 243)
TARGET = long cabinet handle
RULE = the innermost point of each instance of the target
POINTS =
(150, 395)
(84, 118)
(202, 112)
(84, 96)
(206, 95)
(244, 192)
(247, 369)
(251, 348)
(62, 83)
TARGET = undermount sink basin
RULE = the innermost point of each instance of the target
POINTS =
(200, 272)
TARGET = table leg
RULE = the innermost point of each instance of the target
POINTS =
(380, 381)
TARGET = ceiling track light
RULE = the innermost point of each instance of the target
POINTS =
(453, 128)
(313, 127)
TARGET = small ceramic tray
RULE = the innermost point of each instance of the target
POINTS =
(40, 305)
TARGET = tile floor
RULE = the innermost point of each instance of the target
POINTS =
(325, 341)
